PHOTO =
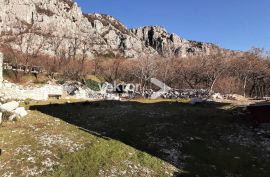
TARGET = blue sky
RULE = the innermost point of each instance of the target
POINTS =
(232, 24)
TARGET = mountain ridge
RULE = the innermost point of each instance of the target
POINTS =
(93, 35)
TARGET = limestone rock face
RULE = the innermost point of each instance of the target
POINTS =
(52, 26)
(59, 28)
(167, 44)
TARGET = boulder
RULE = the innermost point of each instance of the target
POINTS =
(1, 118)
(157, 95)
(112, 97)
(235, 97)
(21, 112)
(10, 106)
(217, 96)
(13, 117)
(71, 89)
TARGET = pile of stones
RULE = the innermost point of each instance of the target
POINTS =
(186, 94)
(11, 111)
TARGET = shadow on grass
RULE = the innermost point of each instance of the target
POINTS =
(190, 137)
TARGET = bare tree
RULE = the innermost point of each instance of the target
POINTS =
(215, 66)
(111, 69)
(74, 47)
(190, 71)
(167, 70)
(145, 69)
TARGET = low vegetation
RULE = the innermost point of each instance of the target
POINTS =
(246, 74)
(44, 11)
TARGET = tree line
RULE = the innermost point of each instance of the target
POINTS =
(247, 73)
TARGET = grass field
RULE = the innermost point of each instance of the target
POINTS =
(133, 138)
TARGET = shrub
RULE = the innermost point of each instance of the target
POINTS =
(93, 85)
(70, 3)
(44, 11)
(60, 81)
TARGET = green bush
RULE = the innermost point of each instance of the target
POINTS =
(93, 85)
(61, 81)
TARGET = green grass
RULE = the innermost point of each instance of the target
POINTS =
(97, 154)
(92, 84)
(107, 157)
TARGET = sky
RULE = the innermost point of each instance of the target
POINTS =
(232, 24)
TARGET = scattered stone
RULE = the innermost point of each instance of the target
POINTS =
(181, 94)
(1, 118)
(217, 96)
(21, 112)
(112, 97)
(71, 87)
(156, 95)
(235, 97)
(10, 106)
(13, 117)
(148, 93)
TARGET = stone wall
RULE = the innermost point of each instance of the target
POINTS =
(11, 91)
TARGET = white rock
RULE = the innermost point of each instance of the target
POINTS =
(1, 118)
(21, 112)
(168, 44)
(236, 97)
(110, 36)
(217, 96)
(13, 117)
(157, 95)
(10, 106)
(112, 97)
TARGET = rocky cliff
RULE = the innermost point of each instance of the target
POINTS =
(58, 27)
(167, 44)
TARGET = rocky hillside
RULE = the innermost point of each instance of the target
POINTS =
(167, 44)
(58, 27)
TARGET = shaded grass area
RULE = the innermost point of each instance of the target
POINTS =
(43, 145)
(193, 138)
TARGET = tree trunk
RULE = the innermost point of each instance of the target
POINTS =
(213, 84)
(245, 85)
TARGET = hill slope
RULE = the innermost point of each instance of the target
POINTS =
(58, 27)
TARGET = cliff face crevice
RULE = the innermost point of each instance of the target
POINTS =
(61, 22)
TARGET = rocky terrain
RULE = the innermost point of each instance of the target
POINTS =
(59, 27)
(168, 45)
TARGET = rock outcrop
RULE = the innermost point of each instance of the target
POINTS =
(59, 28)
(167, 44)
